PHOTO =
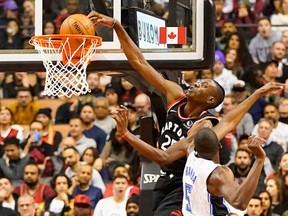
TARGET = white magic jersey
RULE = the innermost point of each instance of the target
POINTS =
(196, 199)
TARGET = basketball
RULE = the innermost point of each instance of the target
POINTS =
(78, 24)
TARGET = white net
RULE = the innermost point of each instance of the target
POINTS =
(65, 60)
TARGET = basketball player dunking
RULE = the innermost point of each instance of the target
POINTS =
(184, 108)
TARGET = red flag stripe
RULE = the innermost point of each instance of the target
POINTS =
(181, 35)
(163, 35)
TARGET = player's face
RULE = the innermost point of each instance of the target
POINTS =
(201, 90)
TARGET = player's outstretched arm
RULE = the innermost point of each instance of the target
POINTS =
(232, 119)
(176, 151)
(221, 181)
(168, 88)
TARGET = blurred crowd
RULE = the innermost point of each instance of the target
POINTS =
(92, 164)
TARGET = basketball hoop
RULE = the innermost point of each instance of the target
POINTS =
(65, 58)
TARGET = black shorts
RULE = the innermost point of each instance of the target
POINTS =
(167, 196)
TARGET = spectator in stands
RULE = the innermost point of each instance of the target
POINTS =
(246, 12)
(116, 204)
(28, 18)
(219, 15)
(121, 169)
(55, 163)
(67, 110)
(266, 201)
(283, 167)
(93, 81)
(72, 7)
(72, 159)
(279, 133)
(7, 198)
(49, 135)
(273, 186)
(223, 76)
(283, 110)
(38, 88)
(278, 53)
(284, 39)
(232, 62)
(76, 132)
(91, 156)
(236, 41)
(270, 72)
(87, 114)
(49, 28)
(116, 151)
(12, 36)
(246, 125)
(272, 149)
(13, 161)
(132, 205)
(39, 150)
(6, 129)
(13, 82)
(242, 165)
(26, 205)
(260, 45)
(82, 206)
(10, 11)
(227, 28)
(102, 115)
(279, 20)
(254, 207)
(62, 202)
(189, 77)
(25, 109)
(112, 96)
(83, 186)
(32, 185)
(127, 91)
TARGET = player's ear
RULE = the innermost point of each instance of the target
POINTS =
(211, 100)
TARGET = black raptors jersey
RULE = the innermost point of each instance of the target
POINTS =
(175, 129)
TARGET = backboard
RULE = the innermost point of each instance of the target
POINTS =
(144, 27)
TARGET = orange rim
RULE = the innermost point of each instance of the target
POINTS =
(57, 39)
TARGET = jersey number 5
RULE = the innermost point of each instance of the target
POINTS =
(188, 189)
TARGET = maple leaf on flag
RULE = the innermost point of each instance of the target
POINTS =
(171, 35)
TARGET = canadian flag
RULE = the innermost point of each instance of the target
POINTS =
(172, 35)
